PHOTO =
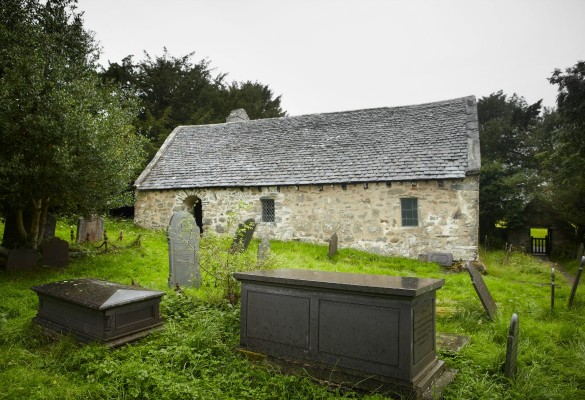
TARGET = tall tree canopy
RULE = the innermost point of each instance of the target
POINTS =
(564, 161)
(509, 169)
(67, 139)
(178, 91)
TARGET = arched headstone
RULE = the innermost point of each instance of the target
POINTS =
(183, 240)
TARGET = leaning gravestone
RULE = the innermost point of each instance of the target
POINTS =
(21, 259)
(576, 282)
(511, 366)
(263, 250)
(482, 291)
(91, 230)
(243, 236)
(56, 253)
(183, 239)
(333, 245)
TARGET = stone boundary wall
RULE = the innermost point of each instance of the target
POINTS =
(366, 218)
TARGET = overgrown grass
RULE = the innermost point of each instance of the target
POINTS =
(195, 355)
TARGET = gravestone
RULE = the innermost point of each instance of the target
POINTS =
(21, 259)
(50, 226)
(444, 259)
(56, 253)
(482, 291)
(511, 366)
(90, 230)
(576, 282)
(243, 236)
(552, 289)
(333, 245)
(183, 240)
(263, 250)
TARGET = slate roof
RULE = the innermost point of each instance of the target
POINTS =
(419, 142)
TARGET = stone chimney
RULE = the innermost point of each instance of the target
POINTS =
(238, 115)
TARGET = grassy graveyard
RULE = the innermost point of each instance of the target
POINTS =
(196, 355)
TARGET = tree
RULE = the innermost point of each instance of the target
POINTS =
(68, 143)
(564, 162)
(508, 147)
(178, 91)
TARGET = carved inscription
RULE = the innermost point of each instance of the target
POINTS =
(423, 330)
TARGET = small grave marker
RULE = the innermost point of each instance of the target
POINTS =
(90, 230)
(333, 245)
(576, 283)
(183, 240)
(511, 366)
(56, 253)
(263, 250)
(444, 259)
(482, 291)
(21, 259)
(552, 289)
(243, 236)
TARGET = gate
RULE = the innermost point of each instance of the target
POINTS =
(540, 246)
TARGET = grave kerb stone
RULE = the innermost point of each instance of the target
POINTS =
(482, 291)
(443, 259)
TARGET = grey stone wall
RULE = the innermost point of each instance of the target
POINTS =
(366, 218)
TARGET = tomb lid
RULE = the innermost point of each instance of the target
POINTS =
(364, 283)
(96, 293)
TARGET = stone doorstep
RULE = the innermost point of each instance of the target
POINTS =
(427, 385)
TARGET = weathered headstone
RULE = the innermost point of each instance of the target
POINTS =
(482, 291)
(552, 289)
(183, 239)
(333, 245)
(576, 282)
(243, 236)
(444, 259)
(91, 230)
(263, 250)
(50, 226)
(511, 366)
(21, 259)
(56, 253)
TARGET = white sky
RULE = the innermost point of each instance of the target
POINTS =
(327, 55)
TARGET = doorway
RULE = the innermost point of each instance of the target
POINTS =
(540, 241)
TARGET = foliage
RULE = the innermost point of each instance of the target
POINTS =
(68, 145)
(508, 146)
(564, 161)
(221, 256)
(178, 91)
(195, 355)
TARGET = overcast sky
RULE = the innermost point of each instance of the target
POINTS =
(339, 55)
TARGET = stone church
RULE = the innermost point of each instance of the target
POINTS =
(399, 181)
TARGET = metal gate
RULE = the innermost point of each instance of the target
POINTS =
(540, 246)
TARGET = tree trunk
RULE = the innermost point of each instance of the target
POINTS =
(35, 222)
(22, 235)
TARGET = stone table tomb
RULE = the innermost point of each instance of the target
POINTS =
(374, 330)
(97, 310)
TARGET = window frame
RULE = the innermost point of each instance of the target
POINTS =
(268, 210)
(409, 211)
